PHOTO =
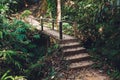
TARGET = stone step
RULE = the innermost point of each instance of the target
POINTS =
(78, 57)
(73, 51)
(65, 41)
(81, 64)
(70, 45)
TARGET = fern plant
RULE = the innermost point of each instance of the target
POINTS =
(8, 56)
(7, 77)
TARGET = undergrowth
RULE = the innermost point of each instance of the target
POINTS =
(23, 51)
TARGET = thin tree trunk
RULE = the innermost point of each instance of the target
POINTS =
(58, 12)
(75, 29)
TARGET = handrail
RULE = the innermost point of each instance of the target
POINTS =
(53, 22)
(51, 19)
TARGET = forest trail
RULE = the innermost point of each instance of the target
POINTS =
(76, 58)
(46, 30)
(79, 63)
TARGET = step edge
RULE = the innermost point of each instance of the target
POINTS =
(86, 56)
(74, 49)
(80, 66)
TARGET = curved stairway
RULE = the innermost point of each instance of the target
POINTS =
(73, 53)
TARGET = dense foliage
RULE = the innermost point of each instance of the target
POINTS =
(99, 26)
(20, 50)
(52, 8)
(23, 49)
(13, 6)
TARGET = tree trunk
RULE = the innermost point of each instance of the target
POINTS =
(75, 29)
(58, 12)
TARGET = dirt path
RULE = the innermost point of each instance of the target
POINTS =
(85, 74)
(64, 73)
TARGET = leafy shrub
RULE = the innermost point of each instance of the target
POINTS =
(67, 29)
(6, 77)
(98, 25)
(8, 6)
(25, 13)
(23, 50)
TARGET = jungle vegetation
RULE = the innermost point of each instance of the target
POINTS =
(95, 23)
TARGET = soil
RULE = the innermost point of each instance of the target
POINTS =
(64, 73)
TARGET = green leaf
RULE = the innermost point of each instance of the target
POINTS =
(32, 46)
(37, 36)
(26, 42)
(1, 34)
(21, 37)
(9, 77)
(3, 77)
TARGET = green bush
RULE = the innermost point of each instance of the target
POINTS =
(99, 27)
(21, 51)
(7, 77)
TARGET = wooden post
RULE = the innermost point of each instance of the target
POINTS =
(53, 24)
(41, 24)
(60, 30)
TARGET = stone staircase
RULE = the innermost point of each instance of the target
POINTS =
(75, 55)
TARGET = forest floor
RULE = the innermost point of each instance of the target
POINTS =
(64, 73)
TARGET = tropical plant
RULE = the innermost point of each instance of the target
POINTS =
(6, 6)
(7, 77)
(21, 51)
(25, 13)
(97, 26)
(52, 8)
